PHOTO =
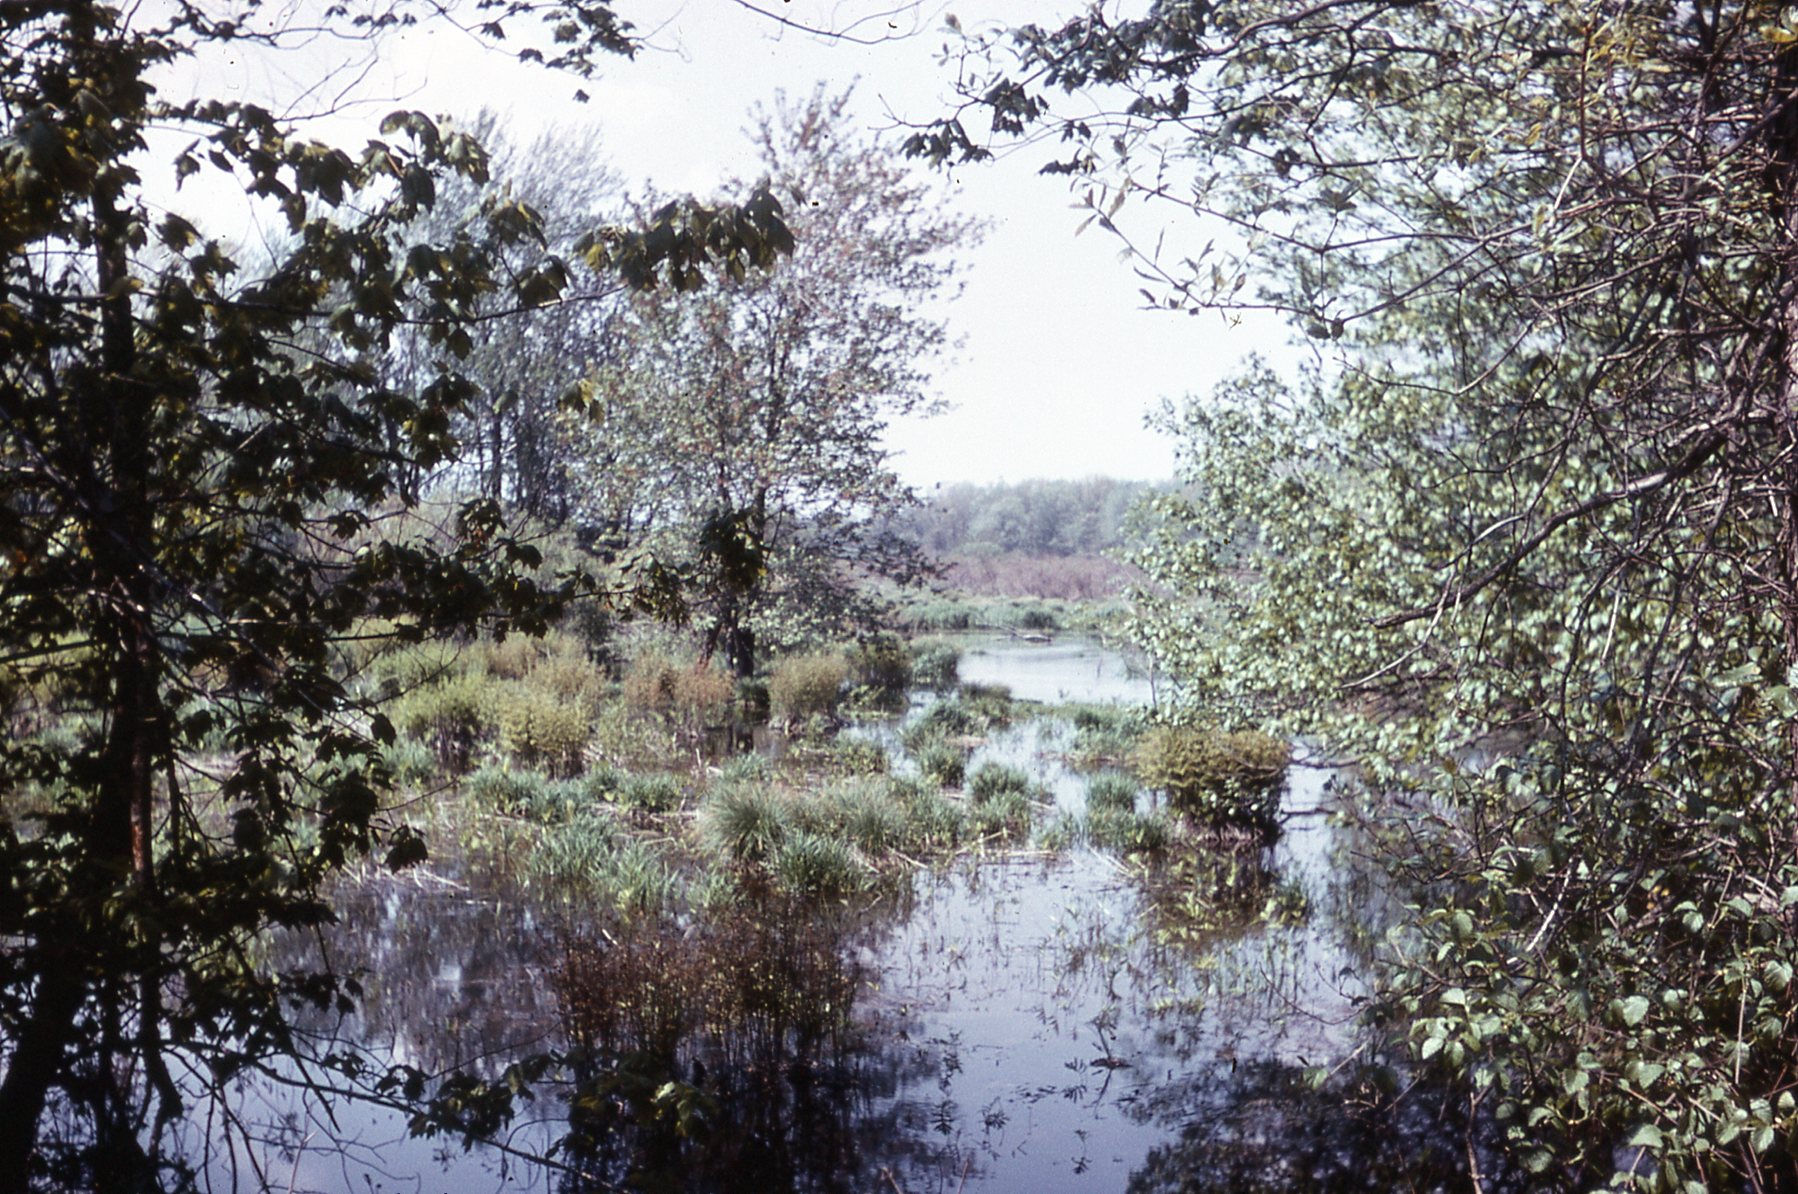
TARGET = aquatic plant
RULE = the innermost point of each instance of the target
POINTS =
(576, 852)
(411, 763)
(936, 665)
(635, 880)
(1005, 813)
(746, 823)
(1111, 790)
(656, 792)
(941, 762)
(541, 729)
(819, 866)
(1218, 779)
(523, 793)
(1127, 831)
(991, 780)
(882, 663)
(856, 756)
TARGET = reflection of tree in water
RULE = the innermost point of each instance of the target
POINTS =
(731, 1054)
(1264, 1127)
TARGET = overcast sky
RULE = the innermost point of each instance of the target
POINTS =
(1058, 365)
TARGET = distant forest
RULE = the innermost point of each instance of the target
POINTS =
(1034, 518)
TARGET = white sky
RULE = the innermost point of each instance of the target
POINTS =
(1059, 364)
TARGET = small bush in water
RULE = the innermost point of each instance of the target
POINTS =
(882, 663)
(1220, 780)
(538, 728)
(806, 686)
(937, 666)
(857, 756)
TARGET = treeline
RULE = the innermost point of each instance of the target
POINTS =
(1041, 517)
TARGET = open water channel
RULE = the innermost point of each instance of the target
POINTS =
(1026, 1023)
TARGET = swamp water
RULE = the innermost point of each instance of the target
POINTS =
(1026, 1022)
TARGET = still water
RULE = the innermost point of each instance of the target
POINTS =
(1025, 1023)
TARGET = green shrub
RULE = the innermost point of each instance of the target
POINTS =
(936, 665)
(806, 686)
(537, 728)
(451, 717)
(881, 663)
(1220, 780)
(1037, 618)
(812, 864)
(650, 683)
(1111, 790)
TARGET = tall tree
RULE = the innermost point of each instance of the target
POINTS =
(192, 453)
(1537, 514)
(738, 437)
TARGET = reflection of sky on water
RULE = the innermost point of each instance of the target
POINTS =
(1070, 668)
(1028, 1032)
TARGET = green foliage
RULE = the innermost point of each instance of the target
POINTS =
(1220, 780)
(1111, 827)
(991, 780)
(746, 821)
(803, 686)
(942, 763)
(815, 865)
(654, 793)
(1521, 550)
(883, 663)
(936, 665)
(540, 729)
(453, 716)
(1111, 791)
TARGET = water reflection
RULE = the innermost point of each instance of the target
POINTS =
(1025, 1024)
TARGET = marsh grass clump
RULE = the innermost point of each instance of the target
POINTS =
(528, 794)
(815, 865)
(411, 763)
(801, 687)
(745, 768)
(746, 823)
(636, 880)
(1111, 791)
(941, 762)
(1063, 833)
(1219, 780)
(856, 756)
(576, 852)
(655, 793)
(1002, 813)
(1104, 735)
(1127, 831)
(991, 780)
